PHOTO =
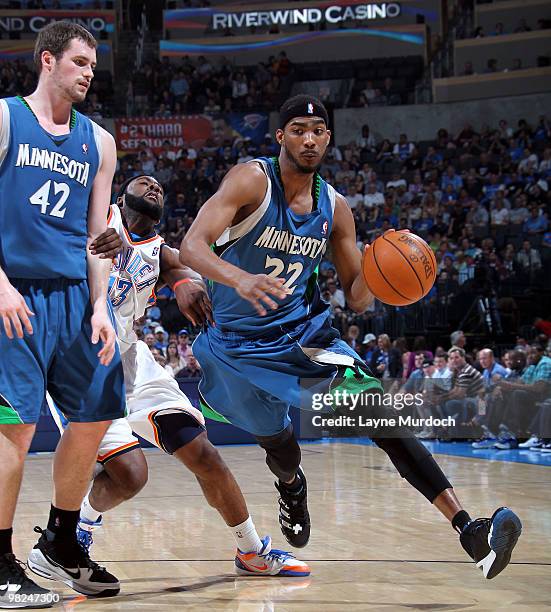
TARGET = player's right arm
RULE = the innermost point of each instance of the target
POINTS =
(240, 193)
(13, 308)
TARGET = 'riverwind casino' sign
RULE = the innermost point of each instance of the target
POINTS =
(329, 14)
(308, 16)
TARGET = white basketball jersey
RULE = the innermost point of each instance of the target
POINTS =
(134, 275)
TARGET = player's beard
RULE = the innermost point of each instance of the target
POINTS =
(301, 167)
(152, 210)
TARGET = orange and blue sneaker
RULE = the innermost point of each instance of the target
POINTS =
(269, 562)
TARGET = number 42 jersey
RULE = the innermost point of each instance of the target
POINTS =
(45, 186)
(274, 240)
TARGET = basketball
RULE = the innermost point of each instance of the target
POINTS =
(399, 268)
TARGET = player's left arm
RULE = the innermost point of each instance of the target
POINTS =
(348, 258)
(98, 269)
(188, 286)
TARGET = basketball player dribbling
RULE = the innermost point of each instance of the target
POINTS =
(269, 224)
(157, 409)
(56, 172)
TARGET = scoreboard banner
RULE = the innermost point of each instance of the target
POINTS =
(188, 130)
(30, 22)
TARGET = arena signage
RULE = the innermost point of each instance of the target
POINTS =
(32, 21)
(332, 14)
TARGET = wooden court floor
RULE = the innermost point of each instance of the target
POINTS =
(376, 543)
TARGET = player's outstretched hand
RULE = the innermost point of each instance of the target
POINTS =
(107, 245)
(257, 288)
(14, 311)
(102, 329)
(193, 301)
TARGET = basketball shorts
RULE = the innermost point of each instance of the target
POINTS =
(58, 357)
(150, 392)
(251, 382)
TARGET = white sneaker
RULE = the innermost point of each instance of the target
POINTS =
(532, 441)
(269, 562)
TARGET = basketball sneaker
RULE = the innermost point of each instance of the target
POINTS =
(72, 567)
(269, 562)
(490, 541)
(294, 519)
(84, 532)
(532, 441)
(17, 590)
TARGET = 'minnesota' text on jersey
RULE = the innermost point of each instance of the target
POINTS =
(276, 241)
(45, 185)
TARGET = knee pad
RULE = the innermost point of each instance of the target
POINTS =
(282, 453)
(414, 463)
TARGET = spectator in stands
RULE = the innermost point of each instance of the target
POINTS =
(366, 140)
(498, 31)
(467, 69)
(353, 198)
(403, 148)
(517, 64)
(492, 370)
(457, 338)
(520, 397)
(174, 361)
(161, 338)
(386, 361)
(192, 369)
(369, 93)
(184, 347)
(528, 258)
(461, 401)
(536, 224)
(451, 178)
(336, 294)
(373, 197)
(150, 340)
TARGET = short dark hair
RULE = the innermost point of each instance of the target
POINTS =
(56, 37)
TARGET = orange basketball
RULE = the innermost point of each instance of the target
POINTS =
(399, 268)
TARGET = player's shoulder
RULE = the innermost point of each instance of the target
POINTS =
(246, 181)
(252, 170)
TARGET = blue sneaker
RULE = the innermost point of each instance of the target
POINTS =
(84, 532)
(490, 541)
(485, 443)
(506, 444)
(269, 562)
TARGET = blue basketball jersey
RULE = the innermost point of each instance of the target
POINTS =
(45, 185)
(276, 241)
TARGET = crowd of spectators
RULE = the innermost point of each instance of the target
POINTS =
(464, 392)
(163, 88)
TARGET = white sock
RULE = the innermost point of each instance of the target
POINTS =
(87, 511)
(246, 537)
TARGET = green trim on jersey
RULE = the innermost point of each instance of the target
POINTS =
(8, 416)
(210, 413)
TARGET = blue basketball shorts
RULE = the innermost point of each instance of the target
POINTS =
(251, 382)
(58, 357)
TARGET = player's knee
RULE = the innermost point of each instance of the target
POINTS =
(130, 473)
(201, 458)
(282, 453)
(16, 441)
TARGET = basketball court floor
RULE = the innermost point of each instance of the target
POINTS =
(376, 543)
